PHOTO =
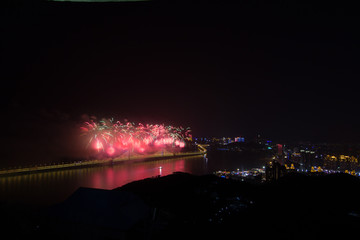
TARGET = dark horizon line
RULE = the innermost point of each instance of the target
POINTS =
(277, 140)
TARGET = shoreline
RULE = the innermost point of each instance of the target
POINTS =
(93, 163)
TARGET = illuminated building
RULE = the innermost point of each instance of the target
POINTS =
(341, 162)
(239, 139)
(274, 170)
(279, 149)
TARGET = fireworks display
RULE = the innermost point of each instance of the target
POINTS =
(115, 138)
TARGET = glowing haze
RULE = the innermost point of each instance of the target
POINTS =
(113, 138)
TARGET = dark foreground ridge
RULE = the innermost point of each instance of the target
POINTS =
(184, 205)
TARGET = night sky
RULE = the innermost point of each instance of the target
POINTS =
(286, 71)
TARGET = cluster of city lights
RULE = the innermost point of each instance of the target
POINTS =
(115, 138)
